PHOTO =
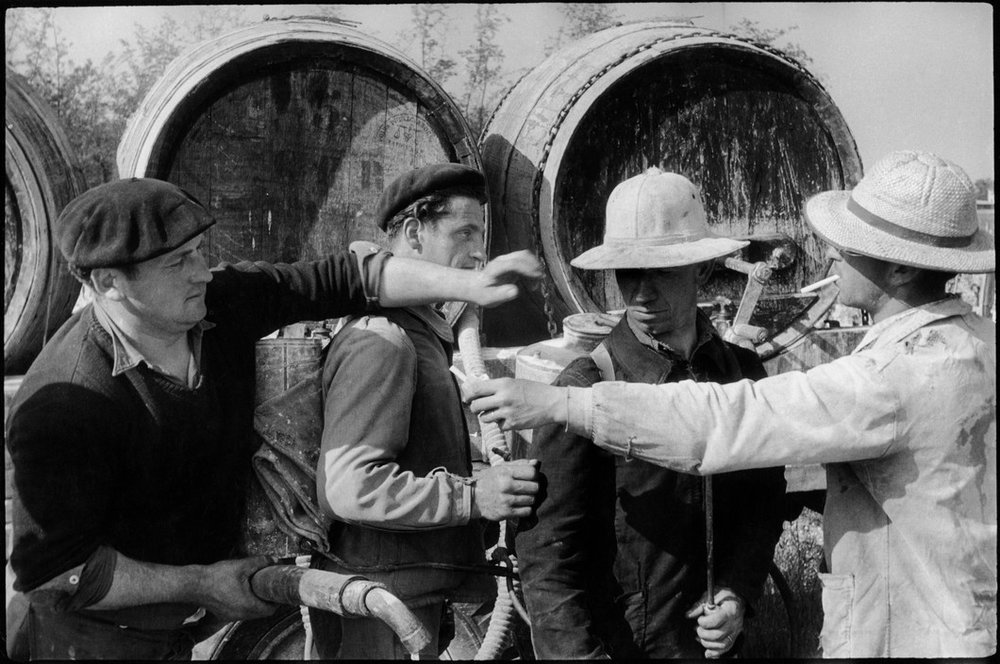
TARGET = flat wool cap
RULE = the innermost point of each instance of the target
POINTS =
(413, 185)
(128, 221)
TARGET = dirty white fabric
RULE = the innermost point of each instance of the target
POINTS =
(906, 426)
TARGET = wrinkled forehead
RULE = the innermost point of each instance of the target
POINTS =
(464, 210)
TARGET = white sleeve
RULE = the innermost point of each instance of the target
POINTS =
(841, 411)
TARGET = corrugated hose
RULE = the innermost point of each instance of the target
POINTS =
(496, 449)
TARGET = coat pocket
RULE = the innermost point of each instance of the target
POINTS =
(838, 605)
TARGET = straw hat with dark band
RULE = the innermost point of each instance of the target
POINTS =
(655, 220)
(912, 208)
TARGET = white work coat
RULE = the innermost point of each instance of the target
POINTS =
(906, 426)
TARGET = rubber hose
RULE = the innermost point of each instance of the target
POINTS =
(499, 632)
(391, 610)
(342, 594)
(472, 362)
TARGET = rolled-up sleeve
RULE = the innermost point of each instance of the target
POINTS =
(371, 261)
(841, 411)
(369, 381)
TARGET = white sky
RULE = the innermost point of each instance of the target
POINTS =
(904, 75)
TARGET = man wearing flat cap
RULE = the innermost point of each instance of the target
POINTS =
(394, 468)
(906, 424)
(615, 565)
(131, 435)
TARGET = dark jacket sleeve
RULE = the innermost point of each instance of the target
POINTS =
(749, 509)
(260, 297)
(569, 549)
(61, 493)
(748, 515)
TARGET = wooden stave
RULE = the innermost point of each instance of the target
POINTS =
(43, 176)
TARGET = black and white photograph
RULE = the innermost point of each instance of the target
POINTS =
(510, 331)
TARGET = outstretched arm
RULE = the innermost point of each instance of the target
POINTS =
(406, 281)
(841, 411)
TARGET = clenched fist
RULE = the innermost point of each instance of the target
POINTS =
(506, 491)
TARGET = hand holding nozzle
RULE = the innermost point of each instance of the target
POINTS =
(516, 403)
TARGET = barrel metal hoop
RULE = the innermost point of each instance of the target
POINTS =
(536, 189)
(496, 109)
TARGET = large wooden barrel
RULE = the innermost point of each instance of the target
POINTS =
(751, 127)
(43, 175)
(287, 131)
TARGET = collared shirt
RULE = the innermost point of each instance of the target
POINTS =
(127, 356)
(703, 333)
(907, 426)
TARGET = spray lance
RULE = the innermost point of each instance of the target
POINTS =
(709, 546)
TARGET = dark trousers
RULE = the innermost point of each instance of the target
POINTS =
(77, 635)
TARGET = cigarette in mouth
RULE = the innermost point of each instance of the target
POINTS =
(461, 376)
(819, 284)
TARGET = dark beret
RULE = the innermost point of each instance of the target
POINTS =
(128, 221)
(420, 182)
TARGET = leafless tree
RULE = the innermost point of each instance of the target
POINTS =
(430, 23)
(753, 31)
(483, 65)
(94, 102)
(581, 19)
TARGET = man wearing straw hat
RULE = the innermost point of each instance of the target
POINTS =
(906, 424)
(131, 435)
(616, 563)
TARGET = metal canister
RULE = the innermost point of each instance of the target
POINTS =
(544, 361)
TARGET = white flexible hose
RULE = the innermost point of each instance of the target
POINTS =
(496, 449)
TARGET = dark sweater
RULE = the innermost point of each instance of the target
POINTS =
(617, 555)
(136, 462)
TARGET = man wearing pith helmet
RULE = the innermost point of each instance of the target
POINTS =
(906, 424)
(616, 563)
(131, 434)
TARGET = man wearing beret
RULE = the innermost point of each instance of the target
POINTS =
(906, 424)
(395, 468)
(131, 435)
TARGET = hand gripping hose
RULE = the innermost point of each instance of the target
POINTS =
(342, 594)
(496, 450)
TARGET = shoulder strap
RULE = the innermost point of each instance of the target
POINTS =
(602, 358)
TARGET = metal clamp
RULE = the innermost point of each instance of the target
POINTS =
(758, 275)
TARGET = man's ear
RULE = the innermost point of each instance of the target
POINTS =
(704, 272)
(901, 275)
(106, 282)
(411, 232)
